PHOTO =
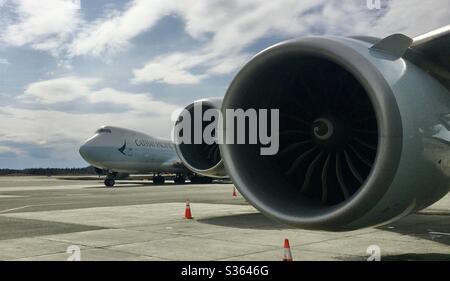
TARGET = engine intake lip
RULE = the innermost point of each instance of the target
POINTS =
(215, 170)
(336, 217)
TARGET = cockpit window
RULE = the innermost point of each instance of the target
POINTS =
(103, 130)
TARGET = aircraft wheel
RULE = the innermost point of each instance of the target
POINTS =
(200, 180)
(179, 180)
(206, 180)
(159, 180)
(110, 182)
(194, 179)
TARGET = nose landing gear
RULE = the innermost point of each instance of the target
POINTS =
(110, 182)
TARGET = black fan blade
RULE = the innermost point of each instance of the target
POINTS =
(324, 179)
(340, 177)
(310, 171)
(299, 160)
(353, 168)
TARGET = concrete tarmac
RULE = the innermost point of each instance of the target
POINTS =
(43, 218)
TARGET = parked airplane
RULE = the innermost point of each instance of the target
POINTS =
(122, 151)
(363, 130)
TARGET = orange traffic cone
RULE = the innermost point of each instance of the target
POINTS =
(234, 192)
(287, 251)
(187, 212)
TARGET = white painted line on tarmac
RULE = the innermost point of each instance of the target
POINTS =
(14, 209)
(439, 233)
(11, 196)
(37, 205)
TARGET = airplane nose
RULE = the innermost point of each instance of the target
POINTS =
(86, 151)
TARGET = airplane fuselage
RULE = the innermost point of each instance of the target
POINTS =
(127, 151)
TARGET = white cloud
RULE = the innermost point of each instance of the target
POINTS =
(226, 28)
(59, 133)
(10, 150)
(165, 70)
(58, 90)
(235, 25)
(43, 24)
(227, 64)
(49, 125)
(114, 31)
(139, 103)
(4, 61)
(176, 68)
(412, 17)
(52, 126)
(70, 88)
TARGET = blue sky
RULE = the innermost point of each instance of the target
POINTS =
(68, 67)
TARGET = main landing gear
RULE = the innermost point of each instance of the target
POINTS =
(179, 179)
(158, 179)
(195, 179)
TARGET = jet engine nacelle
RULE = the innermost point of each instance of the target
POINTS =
(364, 133)
(197, 155)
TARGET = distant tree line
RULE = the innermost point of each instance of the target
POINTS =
(49, 171)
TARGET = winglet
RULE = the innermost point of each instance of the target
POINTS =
(395, 45)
